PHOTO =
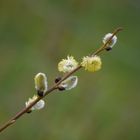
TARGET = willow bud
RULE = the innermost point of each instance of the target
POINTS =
(41, 83)
(69, 83)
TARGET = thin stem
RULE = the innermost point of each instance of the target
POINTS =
(54, 87)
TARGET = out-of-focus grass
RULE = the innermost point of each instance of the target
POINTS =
(35, 35)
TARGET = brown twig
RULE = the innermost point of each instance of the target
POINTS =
(54, 87)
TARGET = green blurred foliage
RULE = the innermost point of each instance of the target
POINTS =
(36, 35)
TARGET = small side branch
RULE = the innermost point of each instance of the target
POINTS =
(54, 87)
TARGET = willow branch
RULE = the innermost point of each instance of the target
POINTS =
(54, 87)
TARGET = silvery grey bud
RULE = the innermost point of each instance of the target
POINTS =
(69, 83)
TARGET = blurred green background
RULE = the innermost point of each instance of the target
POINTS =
(36, 34)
